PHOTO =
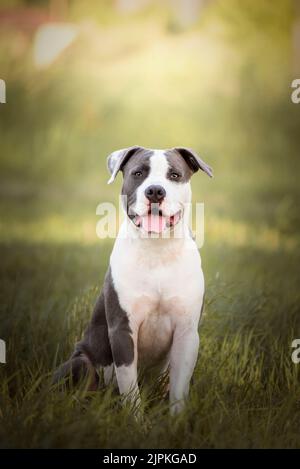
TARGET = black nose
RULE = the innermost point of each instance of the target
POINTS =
(155, 194)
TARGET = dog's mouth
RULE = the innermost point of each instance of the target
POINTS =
(155, 221)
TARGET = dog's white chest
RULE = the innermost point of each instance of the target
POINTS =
(159, 289)
(154, 337)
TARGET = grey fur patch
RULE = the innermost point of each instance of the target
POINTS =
(117, 160)
(178, 165)
(95, 343)
(139, 161)
(193, 160)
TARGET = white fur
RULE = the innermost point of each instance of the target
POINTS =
(160, 285)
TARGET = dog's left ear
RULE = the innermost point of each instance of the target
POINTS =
(193, 160)
(117, 159)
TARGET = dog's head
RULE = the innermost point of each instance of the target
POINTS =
(156, 185)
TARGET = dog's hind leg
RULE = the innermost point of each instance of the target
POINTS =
(92, 352)
(78, 368)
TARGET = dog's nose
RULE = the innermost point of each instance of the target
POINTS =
(155, 194)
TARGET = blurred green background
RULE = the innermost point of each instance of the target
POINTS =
(212, 75)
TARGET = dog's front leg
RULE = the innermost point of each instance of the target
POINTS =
(124, 351)
(123, 342)
(127, 383)
(184, 354)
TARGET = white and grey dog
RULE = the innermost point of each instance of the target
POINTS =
(149, 309)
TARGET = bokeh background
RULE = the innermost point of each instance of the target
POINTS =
(86, 78)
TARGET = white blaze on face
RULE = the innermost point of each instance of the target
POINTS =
(178, 195)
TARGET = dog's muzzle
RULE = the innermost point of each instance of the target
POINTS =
(155, 221)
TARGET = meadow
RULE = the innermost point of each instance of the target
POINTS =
(221, 87)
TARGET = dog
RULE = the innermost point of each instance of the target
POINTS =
(148, 312)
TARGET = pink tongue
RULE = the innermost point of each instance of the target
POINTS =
(154, 223)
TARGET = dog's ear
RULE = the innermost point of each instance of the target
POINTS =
(117, 159)
(193, 160)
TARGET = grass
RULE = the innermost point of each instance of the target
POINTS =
(213, 88)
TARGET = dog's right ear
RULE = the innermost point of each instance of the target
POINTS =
(193, 160)
(117, 159)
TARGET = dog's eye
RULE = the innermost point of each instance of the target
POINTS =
(138, 174)
(174, 175)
